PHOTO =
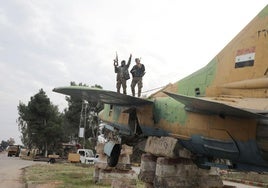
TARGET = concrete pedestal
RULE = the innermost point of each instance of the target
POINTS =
(170, 173)
(147, 169)
(169, 165)
(183, 173)
(119, 176)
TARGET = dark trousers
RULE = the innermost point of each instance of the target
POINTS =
(122, 82)
(135, 81)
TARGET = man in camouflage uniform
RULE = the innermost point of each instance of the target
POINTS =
(137, 72)
(122, 74)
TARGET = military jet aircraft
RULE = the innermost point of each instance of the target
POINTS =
(218, 112)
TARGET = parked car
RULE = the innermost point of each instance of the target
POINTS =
(87, 156)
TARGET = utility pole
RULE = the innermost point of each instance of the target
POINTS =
(83, 122)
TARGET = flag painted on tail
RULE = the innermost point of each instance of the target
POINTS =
(245, 57)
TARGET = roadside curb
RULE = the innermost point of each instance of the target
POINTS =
(247, 182)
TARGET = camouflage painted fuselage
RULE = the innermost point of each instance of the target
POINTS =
(238, 77)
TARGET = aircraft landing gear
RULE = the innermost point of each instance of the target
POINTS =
(113, 159)
(112, 150)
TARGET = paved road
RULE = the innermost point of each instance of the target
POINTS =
(11, 169)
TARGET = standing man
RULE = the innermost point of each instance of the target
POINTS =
(122, 74)
(137, 72)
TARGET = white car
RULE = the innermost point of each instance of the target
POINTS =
(87, 156)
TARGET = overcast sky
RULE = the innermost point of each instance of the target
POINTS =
(48, 43)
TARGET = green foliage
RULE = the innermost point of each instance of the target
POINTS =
(43, 127)
(62, 175)
(11, 141)
(40, 123)
(4, 145)
(72, 118)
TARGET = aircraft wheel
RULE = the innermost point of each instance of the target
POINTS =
(113, 159)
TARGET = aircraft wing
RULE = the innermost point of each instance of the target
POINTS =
(96, 94)
(205, 106)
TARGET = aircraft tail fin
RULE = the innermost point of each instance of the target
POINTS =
(239, 69)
